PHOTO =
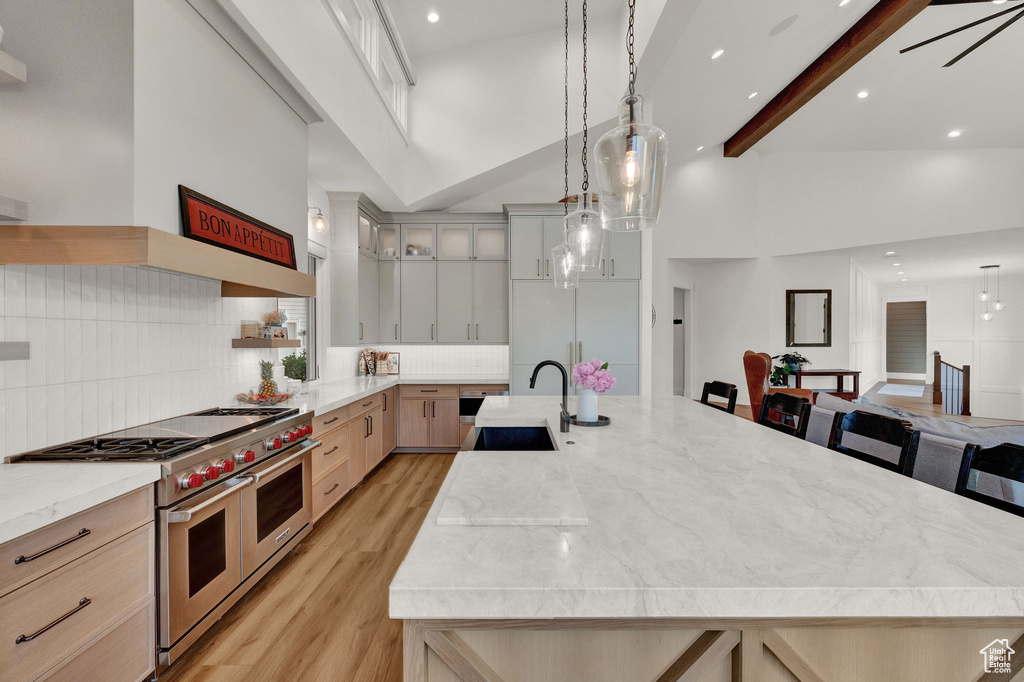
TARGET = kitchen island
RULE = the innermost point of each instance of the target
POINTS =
(713, 549)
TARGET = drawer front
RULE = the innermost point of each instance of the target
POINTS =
(429, 391)
(328, 421)
(485, 388)
(329, 489)
(31, 556)
(336, 448)
(124, 653)
(103, 586)
(364, 405)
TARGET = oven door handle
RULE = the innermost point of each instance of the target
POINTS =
(255, 477)
(183, 515)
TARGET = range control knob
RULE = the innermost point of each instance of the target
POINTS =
(227, 466)
(292, 436)
(245, 457)
(211, 473)
(275, 444)
(308, 429)
(191, 481)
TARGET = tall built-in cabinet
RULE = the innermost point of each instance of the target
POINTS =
(598, 319)
(418, 277)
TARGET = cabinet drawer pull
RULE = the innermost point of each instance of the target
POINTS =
(431, 332)
(368, 402)
(331, 451)
(613, 267)
(83, 602)
(81, 534)
(360, 331)
(538, 267)
(467, 332)
(371, 424)
(433, 409)
(333, 488)
(424, 408)
(602, 267)
(366, 427)
(428, 390)
(331, 421)
(478, 332)
(396, 332)
(547, 268)
(385, 401)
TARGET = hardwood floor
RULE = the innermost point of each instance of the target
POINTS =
(322, 613)
(923, 405)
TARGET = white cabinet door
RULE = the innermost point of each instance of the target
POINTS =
(344, 297)
(608, 328)
(554, 229)
(490, 242)
(369, 304)
(419, 302)
(543, 328)
(526, 241)
(390, 291)
(455, 302)
(490, 302)
(454, 241)
(622, 255)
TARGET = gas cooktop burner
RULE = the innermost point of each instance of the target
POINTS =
(242, 412)
(117, 448)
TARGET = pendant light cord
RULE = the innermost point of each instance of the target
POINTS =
(629, 48)
(586, 173)
(565, 194)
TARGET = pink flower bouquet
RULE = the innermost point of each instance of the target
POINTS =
(593, 374)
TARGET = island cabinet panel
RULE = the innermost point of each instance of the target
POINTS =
(414, 423)
(125, 653)
(389, 421)
(444, 423)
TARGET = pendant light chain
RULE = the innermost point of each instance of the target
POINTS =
(586, 173)
(629, 48)
(566, 192)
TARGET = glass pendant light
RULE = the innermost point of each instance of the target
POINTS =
(583, 229)
(564, 260)
(631, 160)
(984, 295)
(998, 305)
(585, 233)
(564, 267)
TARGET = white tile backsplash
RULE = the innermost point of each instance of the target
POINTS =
(422, 359)
(115, 346)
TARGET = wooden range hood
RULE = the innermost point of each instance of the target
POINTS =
(240, 276)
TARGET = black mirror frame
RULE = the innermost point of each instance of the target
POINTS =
(791, 321)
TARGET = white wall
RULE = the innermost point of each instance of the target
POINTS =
(867, 328)
(206, 120)
(66, 135)
(115, 346)
(993, 349)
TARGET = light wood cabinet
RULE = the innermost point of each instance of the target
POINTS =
(389, 421)
(373, 440)
(444, 423)
(414, 422)
(330, 488)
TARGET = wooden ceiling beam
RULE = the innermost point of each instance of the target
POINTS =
(883, 20)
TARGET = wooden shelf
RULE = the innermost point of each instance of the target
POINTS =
(265, 343)
(12, 209)
(240, 276)
(11, 70)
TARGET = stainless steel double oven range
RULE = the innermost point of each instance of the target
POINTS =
(236, 490)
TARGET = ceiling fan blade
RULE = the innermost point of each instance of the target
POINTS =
(984, 40)
(962, 28)
(955, 2)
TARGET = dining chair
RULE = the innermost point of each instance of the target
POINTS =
(720, 389)
(874, 438)
(995, 476)
(793, 412)
(943, 462)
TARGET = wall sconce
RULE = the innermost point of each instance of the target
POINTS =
(318, 222)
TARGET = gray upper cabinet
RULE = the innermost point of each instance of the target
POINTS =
(390, 292)
(531, 239)
(389, 245)
(454, 241)
(419, 302)
(455, 302)
(419, 242)
(621, 258)
(368, 235)
(490, 302)
(369, 305)
(490, 242)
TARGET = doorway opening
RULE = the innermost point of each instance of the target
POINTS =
(679, 346)
(906, 340)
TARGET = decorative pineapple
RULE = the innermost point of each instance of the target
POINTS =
(267, 384)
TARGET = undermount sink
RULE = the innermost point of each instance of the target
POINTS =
(515, 438)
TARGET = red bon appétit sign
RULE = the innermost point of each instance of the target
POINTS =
(209, 221)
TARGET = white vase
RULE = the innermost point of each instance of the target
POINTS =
(586, 410)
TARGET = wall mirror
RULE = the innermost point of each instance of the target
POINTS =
(808, 317)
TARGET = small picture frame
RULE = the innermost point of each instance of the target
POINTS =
(277, 332)
(393, 363)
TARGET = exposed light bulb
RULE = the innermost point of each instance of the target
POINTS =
(998, 305)
(986, 316)
(984, 296)
(630, 168)
(319, 223)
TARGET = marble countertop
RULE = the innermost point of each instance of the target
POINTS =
(36, 494)
(332, 395)
(695, 513)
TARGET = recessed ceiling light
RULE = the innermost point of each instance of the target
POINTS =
(844, 3)
(954, 133)
(890, 253)
(717, 54)
(904, 279)
(901, 273)
(752, 95)
(998, 2)
(700, 148)
(432, 17)
(862, 94)
(895, 265)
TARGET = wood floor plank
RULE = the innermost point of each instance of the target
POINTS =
(322, 613)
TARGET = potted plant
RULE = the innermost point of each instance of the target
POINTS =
(591, 378)
(791, 362)
(295, 366)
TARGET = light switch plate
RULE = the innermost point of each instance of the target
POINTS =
(14, 350)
